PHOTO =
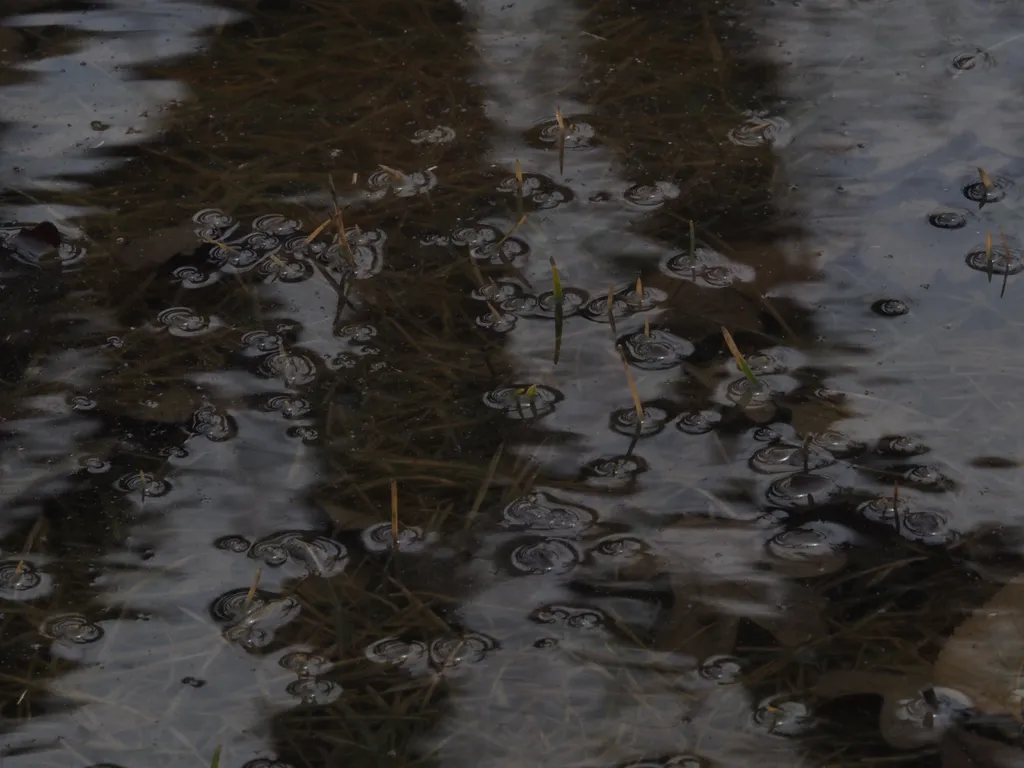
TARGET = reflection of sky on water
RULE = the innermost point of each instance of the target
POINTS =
(77, 90)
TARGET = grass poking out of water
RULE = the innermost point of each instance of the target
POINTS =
(741, 361)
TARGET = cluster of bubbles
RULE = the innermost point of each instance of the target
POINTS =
(279, 250)
(443, 654)
(310, 686)
(252, 617)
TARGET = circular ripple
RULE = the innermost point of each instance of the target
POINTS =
(395, 651)
(813, 549)
(619, 546)
(1002, 262)
(624, 421)
(366, 248)
(261, 342)
(294, 369)
(523, 402)
(540, 511)
(721, 669)
(237, 544)
(193, 277)
(470, 648)
(651, 195)
(577, 133)
(884, 509)
(545, 305)
(383, 182)
(304, 664)
(94, 465)
(285, 270)
(760, 129)
(482, 239)
(289, 406)
(698, 422)
(503, 322)
(837, 443)
(19, 576)
(213, 424)
(318, 554)
(658, 351)
(439, 134)
(928, 478)
(781, 459)
(182, 321)
(576, 618)
(979, 192)
(708, 267)
(972, 60)
(890, 307)
(801, 489)
(378, 539)
(544, 556)
(926, 526)
(919, 720)
(743, 392)
(901, 445)
(212, 223)
(950, 219)
(784, 716)
(312, 691)
(615, 471)
(71, 628)
(83, 403)
(142, 483)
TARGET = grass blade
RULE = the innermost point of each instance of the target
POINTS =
(741, 362)
(215, 760)
(988, 254)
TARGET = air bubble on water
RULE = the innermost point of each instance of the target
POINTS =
(624, 421)
(142, 483)
(182, 321)
(699, 422)
(808, 550)
(378, 539)
(651, 195)
(781, 458)
(289, 406)
(784, 716)
(71, 628)
(540, 511)
(319, 555)
(614, 472)
(900, 446)
(920, 720)
(524, 402)
(292, 368)
(996, 260)
(659, 350)
(397, 652)
(547, 556)
(801, 489)
(955, 218)
(890, 307)
(446, 653)
(237, 544)
(720, 669)
(569, 616)
(213, 424)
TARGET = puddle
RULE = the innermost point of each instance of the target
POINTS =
(367, 399)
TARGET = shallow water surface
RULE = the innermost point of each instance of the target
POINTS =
(367, 400)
